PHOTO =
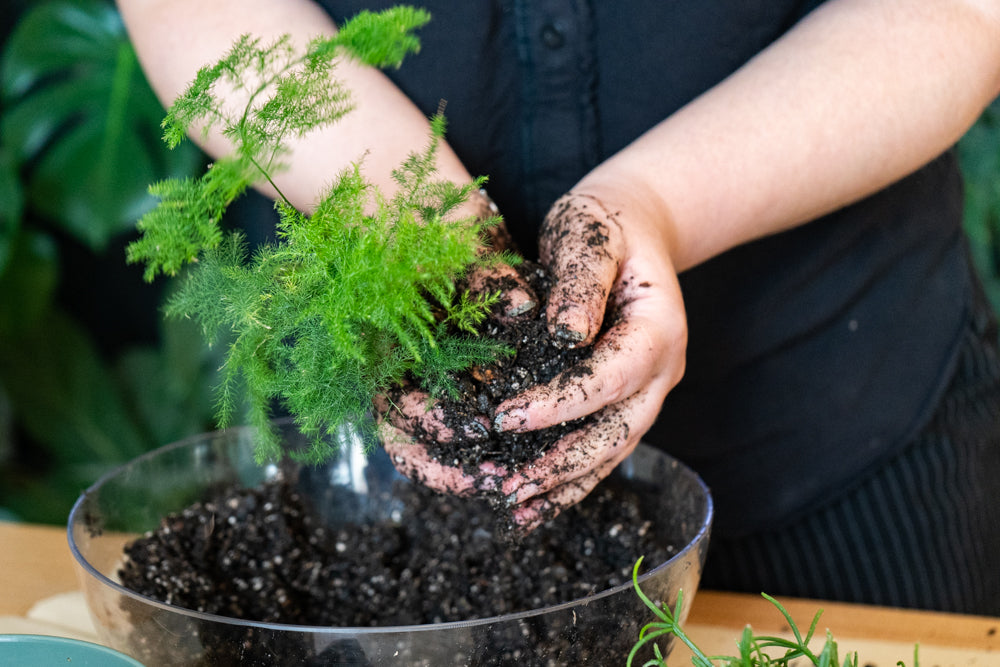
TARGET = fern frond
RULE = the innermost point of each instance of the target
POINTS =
(385, 38)
(352, 299)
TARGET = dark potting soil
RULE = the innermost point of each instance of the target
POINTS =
(263, 554)
(538, 358)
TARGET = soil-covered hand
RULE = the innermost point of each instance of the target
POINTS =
(409, 417)
(516, 296)
(616, 289)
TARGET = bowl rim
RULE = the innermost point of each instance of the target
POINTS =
(699, 538)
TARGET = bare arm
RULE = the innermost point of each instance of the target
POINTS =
(174, 38)
(859, 94)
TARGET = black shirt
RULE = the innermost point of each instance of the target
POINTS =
(813, 354)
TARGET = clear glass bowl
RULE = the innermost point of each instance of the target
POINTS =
(596, 630)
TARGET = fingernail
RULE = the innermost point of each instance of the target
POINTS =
(510, 420)
(520, 309)
(569, 336)
(476, 430)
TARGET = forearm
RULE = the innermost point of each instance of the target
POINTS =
(859, 94)
(174, 38)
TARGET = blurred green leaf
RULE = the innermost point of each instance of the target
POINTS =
(11, 206)
(65, 396)
(81, 120)
(979, 153)
(27, 287)
(169, 387)
(91, 415)
(79, 144)
(28, 495)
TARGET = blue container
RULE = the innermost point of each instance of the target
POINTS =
(43, 650)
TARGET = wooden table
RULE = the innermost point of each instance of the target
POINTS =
(36, 566)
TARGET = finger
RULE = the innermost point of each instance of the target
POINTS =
(610, 438)
(645, 345)
(516, 297)
(605, 378)
(582, 245)
(534, 511)
(412, 460)
(415, 413)
(533, 514)
(497, 236)
(539, 510)
(634, 354)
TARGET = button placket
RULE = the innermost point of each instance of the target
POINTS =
(556, 53)
(552, 36)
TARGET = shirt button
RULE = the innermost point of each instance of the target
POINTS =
(552, 37)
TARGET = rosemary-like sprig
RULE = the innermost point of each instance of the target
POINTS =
(753, 650)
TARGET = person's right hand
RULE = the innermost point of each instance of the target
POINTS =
(409, 418)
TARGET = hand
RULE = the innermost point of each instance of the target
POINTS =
(612, 268)
(408, 418)
(516, 297)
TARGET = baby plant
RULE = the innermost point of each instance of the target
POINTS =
(352, 298)
(753, 650)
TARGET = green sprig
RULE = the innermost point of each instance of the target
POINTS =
(353, 298)
(752, 649)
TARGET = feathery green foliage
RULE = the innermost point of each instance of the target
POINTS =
(754, 650)
(353, 298)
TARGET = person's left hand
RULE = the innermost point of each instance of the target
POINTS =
(608, 264)
(612, 268)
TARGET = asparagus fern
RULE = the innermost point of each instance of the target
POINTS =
(353, 297)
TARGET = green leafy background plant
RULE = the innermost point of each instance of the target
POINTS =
(72, 402)
(979, 153)
(80, 389)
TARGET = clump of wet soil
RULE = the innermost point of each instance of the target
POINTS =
(264, 554)
(538, 358)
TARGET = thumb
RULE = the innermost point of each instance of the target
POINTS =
(581, 244)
